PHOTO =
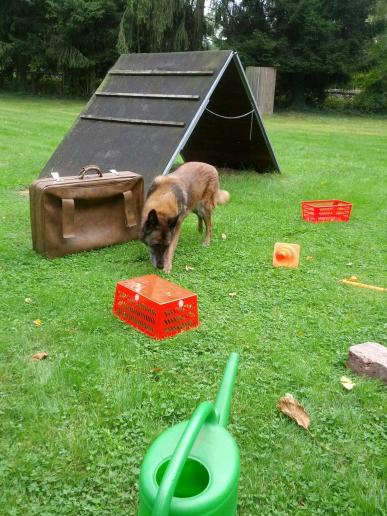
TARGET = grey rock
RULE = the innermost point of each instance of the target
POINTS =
(370, 359)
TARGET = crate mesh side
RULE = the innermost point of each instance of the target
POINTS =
(332, 211)
(157, 321)
(178, 319)
(134, 312)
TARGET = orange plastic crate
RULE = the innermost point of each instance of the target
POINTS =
(156, 306)
(331, 210)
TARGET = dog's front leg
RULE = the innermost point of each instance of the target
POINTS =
(208, 223)
(171, 249)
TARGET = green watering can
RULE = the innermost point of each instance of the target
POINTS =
(192, 469)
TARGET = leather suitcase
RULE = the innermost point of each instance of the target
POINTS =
(78, 213)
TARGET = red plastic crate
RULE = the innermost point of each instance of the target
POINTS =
(156, 306)
(331, 210)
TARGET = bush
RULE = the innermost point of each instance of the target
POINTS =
(371, 102)
(342, 104)
(373, 82)
(373, 97)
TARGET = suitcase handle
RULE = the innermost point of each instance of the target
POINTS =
(89, 168)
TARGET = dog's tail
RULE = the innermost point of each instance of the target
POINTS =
(222, 197)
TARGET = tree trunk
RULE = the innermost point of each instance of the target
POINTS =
(298, 90)
(21, 74)
(6, 78)
(197, 38)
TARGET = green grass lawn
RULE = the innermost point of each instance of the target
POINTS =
(74, 428)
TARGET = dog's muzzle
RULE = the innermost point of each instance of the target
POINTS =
(157, 261)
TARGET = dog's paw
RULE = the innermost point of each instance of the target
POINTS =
(206, 244)
(167, 268)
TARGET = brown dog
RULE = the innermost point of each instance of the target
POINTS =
(193, 187)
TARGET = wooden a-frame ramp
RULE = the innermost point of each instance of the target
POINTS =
(151, 107)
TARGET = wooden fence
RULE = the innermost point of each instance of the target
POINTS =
(262, 84)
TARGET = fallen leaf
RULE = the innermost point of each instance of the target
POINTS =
(310, 257)
(156, 370)
(38, 322)
(349, 264)
(347, 383)
(353, 278)
(232, 294)
(189, 268)
(224, 236)
(290, 407)
(28, 300)
(40, 356)
(24, 193)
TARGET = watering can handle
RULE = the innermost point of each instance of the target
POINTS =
(205, 411)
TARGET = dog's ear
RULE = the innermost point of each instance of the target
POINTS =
(172, 222)
(152, 221)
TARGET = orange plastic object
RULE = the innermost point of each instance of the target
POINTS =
(156, 306)
(286, 255)
(331, 210)
(355, 283)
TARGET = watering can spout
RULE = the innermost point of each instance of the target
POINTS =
(223, 398)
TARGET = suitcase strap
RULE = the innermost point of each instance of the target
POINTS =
(68, 214)
(130, 216)
(68, 218)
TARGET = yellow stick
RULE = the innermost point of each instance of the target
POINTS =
(363, 285)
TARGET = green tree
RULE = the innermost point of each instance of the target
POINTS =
(81, 42)
(161, 26)
(311, 42)
(373, 80)
(21, 42)
(75, 39)
(78, 40)
(245, 27)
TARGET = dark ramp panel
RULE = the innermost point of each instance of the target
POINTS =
(150, 107)
(143, 132)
